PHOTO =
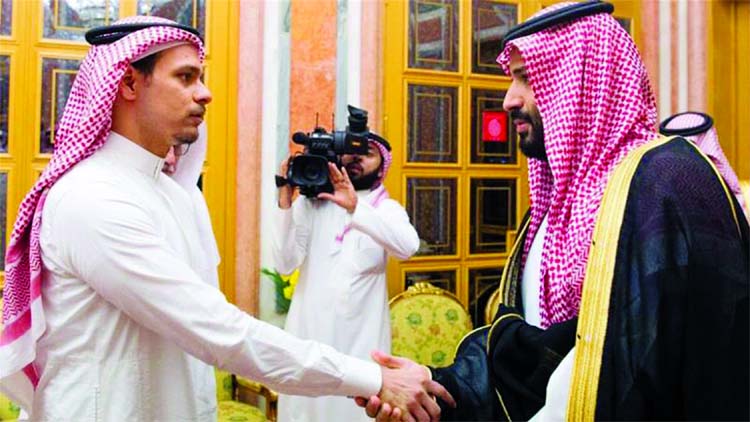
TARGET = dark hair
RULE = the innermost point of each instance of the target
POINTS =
(146, 65)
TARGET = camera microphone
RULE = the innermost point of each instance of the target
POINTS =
(300, 138)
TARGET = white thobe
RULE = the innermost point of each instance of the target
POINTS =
(341, 298)
(131, 329)
(531, 278)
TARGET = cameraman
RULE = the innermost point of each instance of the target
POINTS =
(339, 242)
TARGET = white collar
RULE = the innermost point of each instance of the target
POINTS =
(120, 149)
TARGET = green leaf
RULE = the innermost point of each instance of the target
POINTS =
(282, 303)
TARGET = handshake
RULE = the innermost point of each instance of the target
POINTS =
(407, 394)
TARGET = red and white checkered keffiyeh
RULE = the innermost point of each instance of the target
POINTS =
(387, 158)
(708, 142)
(83, 128)
(596, 104)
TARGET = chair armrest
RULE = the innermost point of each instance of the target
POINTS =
(271, 397)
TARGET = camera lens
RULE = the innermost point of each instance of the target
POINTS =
(309, 170)
(312, 173)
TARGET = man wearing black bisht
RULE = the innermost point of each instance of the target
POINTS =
(625, 296)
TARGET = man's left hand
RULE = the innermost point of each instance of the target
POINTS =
(344, 194)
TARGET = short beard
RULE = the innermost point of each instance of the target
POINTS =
(185, 138)
(532, 144)
(533, 147)
(366, 181)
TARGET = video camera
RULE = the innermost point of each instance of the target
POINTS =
(309, 170)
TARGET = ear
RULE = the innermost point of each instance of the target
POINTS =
(129, 84)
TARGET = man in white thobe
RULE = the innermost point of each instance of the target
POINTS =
(117, 322)
(340, 244)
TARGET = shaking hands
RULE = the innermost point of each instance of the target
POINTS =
(407, 393)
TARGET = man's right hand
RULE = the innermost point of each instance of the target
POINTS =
(286, 192)
(408, 390)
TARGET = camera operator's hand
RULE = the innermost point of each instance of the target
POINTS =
(344, 194)
(286, 192)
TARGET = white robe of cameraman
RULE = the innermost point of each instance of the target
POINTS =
(341, 298)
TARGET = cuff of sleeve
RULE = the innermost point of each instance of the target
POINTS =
(285, 215)
(360, 378)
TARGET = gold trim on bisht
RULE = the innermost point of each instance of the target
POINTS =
(489, 356)
(593, 314)
(515, 254)
(597, 286)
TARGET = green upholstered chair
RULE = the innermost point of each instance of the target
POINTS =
(8, 410)
(224, 386)
(427, 323)
(234, 395)
(235, 411)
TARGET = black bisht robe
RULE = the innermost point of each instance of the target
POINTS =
(675, 333)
